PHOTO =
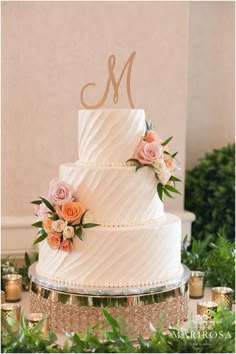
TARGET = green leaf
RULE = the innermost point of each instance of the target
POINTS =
(173, 155)
(82, 217)
(90, 224)
(175, 179)
(48, 204)
(111, 320)
(172, 189)
(160, 190)
(167, 153)
(38, 224)
(27, 259)
(78, 233)
(133, 160)
(167, 141)
(53, 217)
(148, 125)
(36, 202)
(167, 193)
(41, 231)
(40, 238)
(138, 167)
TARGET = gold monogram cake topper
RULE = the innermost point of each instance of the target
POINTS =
(112, 79)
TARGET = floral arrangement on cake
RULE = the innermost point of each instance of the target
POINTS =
(60, 217)
(156, 154)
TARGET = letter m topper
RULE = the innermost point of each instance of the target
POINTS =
(112, 80)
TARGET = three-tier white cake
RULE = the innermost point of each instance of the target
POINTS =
(136, 243)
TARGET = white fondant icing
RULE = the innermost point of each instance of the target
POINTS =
(115, 195)
(117, 257)
(109, 135)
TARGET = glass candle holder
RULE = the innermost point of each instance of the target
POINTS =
(196, 285)
(205, 308)
(12, 286)
(32, 319)
(3, 298)
(6, 310)
(223, 295)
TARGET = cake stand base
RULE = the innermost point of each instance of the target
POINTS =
(136, 309)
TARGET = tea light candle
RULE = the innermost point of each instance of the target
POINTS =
(205, 307)
(32, 319)
(223, 295)
(196, 285)
(3, 298)
(12, 286)
(6, 310)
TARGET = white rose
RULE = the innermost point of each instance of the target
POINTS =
(158, 165)
(164, 175)
(68, 232)
(58, 225)
(88, 217)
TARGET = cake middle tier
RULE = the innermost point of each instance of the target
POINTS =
(115, 196)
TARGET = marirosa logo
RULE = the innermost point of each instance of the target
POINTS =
(201, 334)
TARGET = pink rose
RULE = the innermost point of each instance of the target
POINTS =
(151, 136)
(60, 192)
(42, 211)
(54, 239)
(147, 153)
(66, 246)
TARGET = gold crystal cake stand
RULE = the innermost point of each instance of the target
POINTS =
(138, 309)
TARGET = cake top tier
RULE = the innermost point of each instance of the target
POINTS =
(109, 136)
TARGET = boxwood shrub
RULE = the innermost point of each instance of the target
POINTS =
(210, 193)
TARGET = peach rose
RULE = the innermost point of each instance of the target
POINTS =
(170, 163)
(147, 153)
(60, 192)
(70, 211)
(151, 136)
(47, 224)
(54, 239)
(66, 246)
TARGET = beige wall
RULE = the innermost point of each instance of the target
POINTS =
(51, 49)
(210, 110)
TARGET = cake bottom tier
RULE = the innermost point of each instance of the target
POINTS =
(117, 256)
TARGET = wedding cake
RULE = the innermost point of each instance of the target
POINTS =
(135, 243)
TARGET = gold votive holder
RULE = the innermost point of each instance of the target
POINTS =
(32, 319)
(7, 309)
(12, 286)
(196, 285)
(206, 307)
(3, 297)
(224, 295)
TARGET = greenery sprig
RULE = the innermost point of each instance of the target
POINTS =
(192, 340)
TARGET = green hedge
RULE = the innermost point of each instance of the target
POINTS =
(209, 193)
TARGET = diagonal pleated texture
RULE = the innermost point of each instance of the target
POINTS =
(109, 135)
